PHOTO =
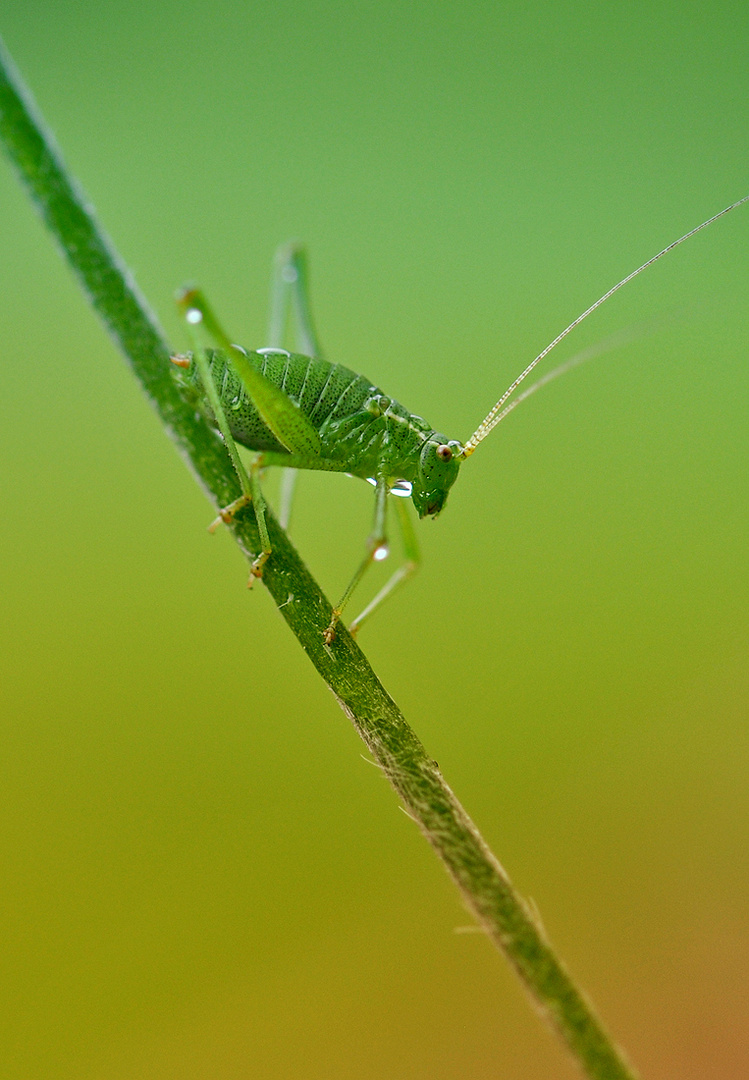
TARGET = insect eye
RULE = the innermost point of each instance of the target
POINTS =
(444, 453)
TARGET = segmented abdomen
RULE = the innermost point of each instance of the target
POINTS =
(359, 426)
(323, 391)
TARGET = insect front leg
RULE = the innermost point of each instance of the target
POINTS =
(403, 573)
(376, 550)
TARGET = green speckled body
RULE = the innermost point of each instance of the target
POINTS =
(359, 426)
(362, 431)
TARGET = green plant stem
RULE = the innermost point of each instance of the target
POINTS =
(485, 887)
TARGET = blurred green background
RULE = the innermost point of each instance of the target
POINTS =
(201, 877)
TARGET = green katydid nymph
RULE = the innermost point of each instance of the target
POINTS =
(300, 411)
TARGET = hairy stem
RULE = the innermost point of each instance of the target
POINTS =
(485, 887)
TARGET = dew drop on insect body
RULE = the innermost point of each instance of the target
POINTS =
(273, 352)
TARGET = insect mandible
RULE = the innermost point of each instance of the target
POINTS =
(299, 411)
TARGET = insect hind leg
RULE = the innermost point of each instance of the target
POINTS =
(290, 288)
(290, 282)
(197, 312)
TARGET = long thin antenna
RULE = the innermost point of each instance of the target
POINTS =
(616, 341)
(497, 413)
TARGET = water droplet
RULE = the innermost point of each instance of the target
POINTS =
(273, 352)
(194, 316)
(381, 553)
(290, 274)
(401, 488)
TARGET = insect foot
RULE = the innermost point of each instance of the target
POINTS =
(226, 515)
(256, 570)
(328, 634)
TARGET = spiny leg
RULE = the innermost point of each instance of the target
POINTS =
(403, 573)
(376, 549)
(197, 312)
(290, 281)
(256, 569)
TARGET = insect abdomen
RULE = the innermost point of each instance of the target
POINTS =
(325, 392)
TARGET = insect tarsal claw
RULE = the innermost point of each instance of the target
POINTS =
(256, 570)
(328, 634)
(255, 573)
(227, 513)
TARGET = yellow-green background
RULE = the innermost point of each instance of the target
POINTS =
(201, 877)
